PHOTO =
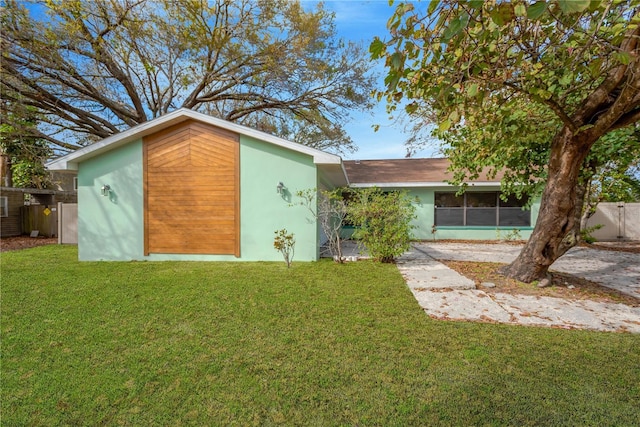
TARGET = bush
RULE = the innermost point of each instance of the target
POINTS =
(285, 243)
(383, 221)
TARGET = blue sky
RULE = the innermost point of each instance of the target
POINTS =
(360, 21)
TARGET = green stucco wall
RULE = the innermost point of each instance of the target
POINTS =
(112, 228)
(264, 211)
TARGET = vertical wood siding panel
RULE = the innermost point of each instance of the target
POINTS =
(201, 165)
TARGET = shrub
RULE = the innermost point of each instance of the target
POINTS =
(585, 234)
(285, 243)
(383, 221)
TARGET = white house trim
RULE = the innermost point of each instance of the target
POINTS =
(70, 161)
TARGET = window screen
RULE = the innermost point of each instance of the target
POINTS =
(449, 209)
(511, 213)
(480, 209)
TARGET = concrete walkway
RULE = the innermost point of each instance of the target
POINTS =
(445, 294)
(616, 270)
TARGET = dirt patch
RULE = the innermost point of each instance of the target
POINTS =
(25, 242)
(563, 285)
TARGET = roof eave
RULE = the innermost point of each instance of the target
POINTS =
(420, 184)
(70, 161)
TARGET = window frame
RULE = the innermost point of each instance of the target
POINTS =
(466, 208)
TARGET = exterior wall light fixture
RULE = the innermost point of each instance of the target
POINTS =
(105, 190)
(280, 187)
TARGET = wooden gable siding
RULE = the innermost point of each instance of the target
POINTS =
(192, 190)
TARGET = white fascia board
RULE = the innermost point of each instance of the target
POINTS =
(70, 161)
(421, 184)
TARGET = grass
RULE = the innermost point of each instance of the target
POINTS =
(146, 343)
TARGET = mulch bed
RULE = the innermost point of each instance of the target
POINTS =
(25, 242)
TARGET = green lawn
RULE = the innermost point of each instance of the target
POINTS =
(146, 344)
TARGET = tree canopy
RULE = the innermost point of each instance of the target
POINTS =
(533, 87)
(93, 68)
(23, 156)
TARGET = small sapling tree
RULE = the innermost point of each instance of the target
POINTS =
(285, 243)
(330, 212)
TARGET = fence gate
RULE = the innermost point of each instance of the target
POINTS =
(68, 223)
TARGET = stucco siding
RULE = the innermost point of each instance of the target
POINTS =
(111, 227)
(263, 210)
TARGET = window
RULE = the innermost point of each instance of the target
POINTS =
(4, 207)
(449, 209)
(480, 209)
(511, 214)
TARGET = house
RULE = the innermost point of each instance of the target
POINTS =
(188, 186)
(479, 213)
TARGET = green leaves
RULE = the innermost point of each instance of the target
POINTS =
(622, 57)
(536, 10)
(573, 6)
(455, 27)
(383, 220)
(503, 13)
(377, 48)
(433, 5)
(472, 89)
(396, 60)
(444, 126)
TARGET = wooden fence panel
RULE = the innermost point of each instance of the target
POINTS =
(41, 218)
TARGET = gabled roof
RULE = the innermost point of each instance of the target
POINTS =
(70, 161)
(406, 173)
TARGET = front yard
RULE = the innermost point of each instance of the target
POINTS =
(144, 343)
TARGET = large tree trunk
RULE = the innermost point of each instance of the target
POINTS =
(614, 104)
(558, 226)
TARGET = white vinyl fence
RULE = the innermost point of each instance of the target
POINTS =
(68, 223)
(620, 221)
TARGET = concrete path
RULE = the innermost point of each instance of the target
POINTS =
(445, 294)
(616, 270)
